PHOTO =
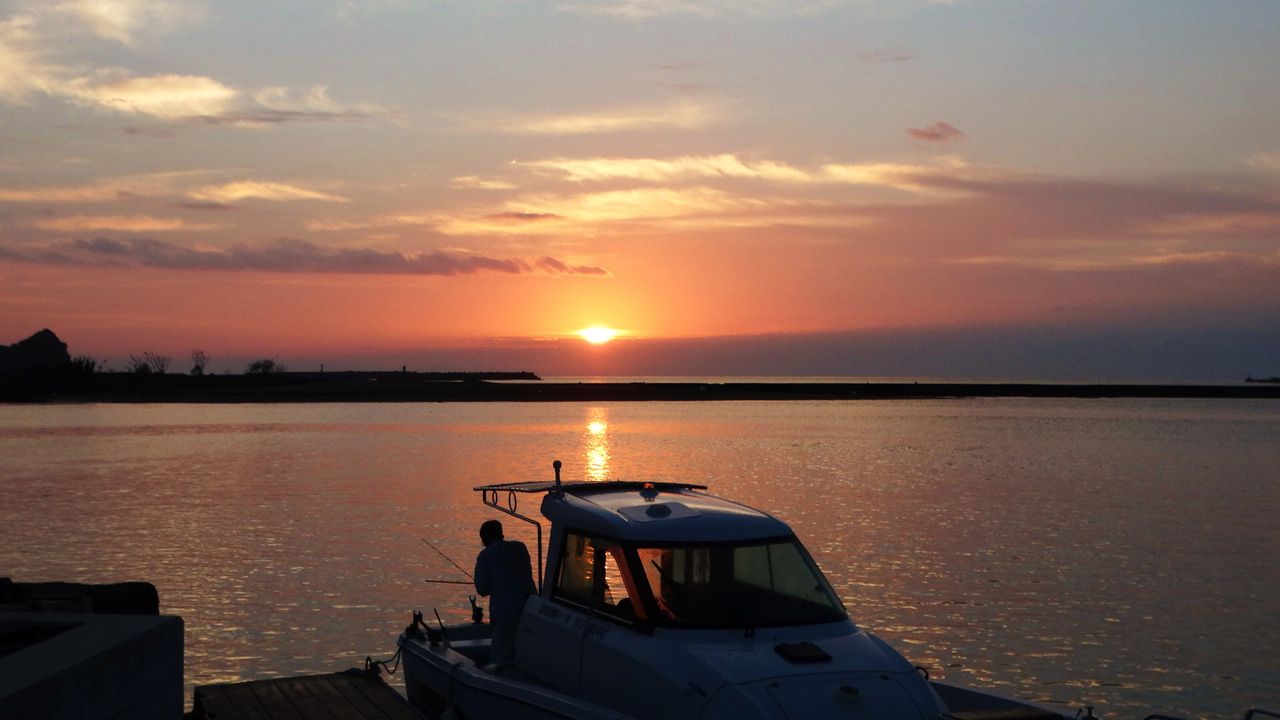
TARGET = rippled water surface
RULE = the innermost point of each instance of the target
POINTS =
(1120, 553)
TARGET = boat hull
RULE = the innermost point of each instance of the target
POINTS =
(444, 681)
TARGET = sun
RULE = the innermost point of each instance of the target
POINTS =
(597, 335)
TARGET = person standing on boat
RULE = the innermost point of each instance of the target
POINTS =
(504, 575)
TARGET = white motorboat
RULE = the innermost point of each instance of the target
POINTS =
(662, 601)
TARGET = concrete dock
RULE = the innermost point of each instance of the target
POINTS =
(65, 665)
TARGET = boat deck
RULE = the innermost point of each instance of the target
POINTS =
(335, 696)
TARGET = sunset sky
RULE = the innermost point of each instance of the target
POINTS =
(981, 188)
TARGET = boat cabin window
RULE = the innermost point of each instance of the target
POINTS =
(593, 574)
(763, 584)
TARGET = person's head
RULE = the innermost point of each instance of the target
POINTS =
(491, 530)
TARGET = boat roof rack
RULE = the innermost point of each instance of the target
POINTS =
(575, 487)
(491, 496)
(557, 488)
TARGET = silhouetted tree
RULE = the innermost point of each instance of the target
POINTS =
(84, 365)
(148, 363)
(264, 366)
(199, 361)
(42, 351)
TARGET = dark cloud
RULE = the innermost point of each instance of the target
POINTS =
(676, 66)
(937, 132)
(522, 216)
(1048, 209)
(205, 206)
(280, 117)
(888, 55)
(692, 89)
(149, 132)
(557, 267)
(284, 255)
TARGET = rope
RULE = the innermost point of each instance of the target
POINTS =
(378, 666)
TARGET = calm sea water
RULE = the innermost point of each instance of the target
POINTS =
(1120, 553)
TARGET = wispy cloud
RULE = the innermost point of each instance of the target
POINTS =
(30, 42)
(698, 167)
(23, 70)
(665, 170)
(944, 175)
(162, 96)
(475, 182)
(170, 184)
(645, 203)
(84, 193)
(286, 256)
(108, 189)
(1265, 161)
(121, 20)
(939, 132)
(521, 217)
(683, 115)
(279, 105)
(1213, 224)
(1072, 225)
(128, 223)
(405, 219)
(261, 190)
(552, 214)
(1109, 260)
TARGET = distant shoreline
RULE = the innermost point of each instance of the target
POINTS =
(488, 387)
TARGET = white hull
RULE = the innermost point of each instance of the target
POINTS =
(443, 682)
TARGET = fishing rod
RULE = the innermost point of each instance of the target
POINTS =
(446, 556)
(477, 612)
(451, 562)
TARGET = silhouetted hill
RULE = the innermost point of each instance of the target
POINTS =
(42, 351)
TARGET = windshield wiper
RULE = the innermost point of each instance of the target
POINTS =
(709, 601)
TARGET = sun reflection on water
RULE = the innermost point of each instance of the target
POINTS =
(595, 443)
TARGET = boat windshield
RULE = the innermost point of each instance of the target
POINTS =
(765, 584)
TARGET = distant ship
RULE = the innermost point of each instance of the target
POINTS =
(1253, 379)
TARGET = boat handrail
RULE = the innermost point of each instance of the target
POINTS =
(579, 486)
(490, 495)
(490, 498)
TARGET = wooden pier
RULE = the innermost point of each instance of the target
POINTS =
(351, 695)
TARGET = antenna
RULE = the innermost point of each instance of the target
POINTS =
(556, 466)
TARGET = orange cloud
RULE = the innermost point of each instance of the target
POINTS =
(685, 115)
(382, 221)
(261, 190)
(474, 182)
(128, 223)
(662, 170)
(899, 176)
(162, 96)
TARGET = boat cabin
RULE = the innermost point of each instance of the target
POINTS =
(663, 555)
